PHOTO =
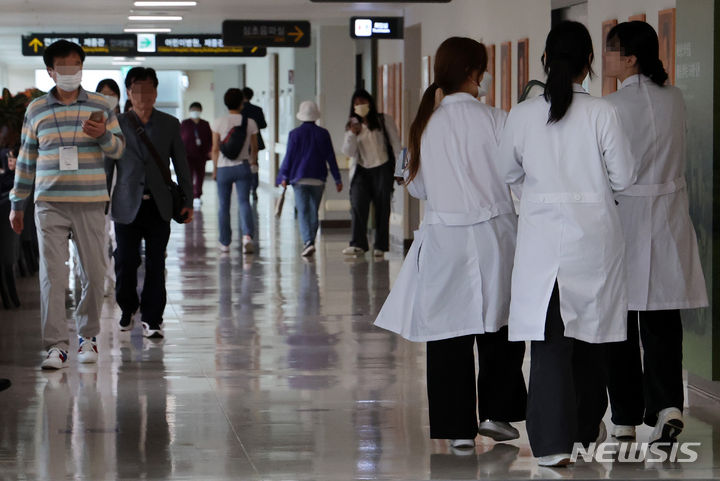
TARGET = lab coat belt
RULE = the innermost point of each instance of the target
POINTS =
(652, 190)
(467, 218)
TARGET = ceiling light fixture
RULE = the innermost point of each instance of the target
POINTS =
(155, 18)
(147, 30)
(127, 63)
(165, 4)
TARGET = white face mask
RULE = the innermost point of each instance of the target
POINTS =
(362, 110)
(112, 101)
(68, 83)
(485, 85)
(194, 114)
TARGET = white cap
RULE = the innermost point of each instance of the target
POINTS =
(308, 111)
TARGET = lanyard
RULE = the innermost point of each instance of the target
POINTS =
(57, 126)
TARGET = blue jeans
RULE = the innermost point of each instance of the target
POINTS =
(307, 203)
(241, 176)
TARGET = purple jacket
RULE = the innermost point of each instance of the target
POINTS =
(308, 154)
(187, 132)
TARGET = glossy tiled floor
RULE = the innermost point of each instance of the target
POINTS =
(271, 369)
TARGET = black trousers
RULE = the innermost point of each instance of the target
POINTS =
(567, 398)
(148, 226)
(456, 398)
(371, 185)
(637, 396)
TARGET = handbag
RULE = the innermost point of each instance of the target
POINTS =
(280, 202)
(179, 198)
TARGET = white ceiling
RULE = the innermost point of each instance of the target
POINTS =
(18, 17)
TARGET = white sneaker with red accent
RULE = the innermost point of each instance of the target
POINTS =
(88, 352)
(56, 359)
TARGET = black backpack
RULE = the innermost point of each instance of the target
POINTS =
(232, 144)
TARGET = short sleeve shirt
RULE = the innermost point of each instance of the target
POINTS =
(222, 127)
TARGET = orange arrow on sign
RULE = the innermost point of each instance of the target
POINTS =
(35, 43)
(298, 34)
(253, 50)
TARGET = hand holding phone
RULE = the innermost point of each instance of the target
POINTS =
(97, 116)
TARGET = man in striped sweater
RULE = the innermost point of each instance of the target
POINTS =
(65, 136)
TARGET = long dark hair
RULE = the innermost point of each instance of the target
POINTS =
(109, 83)
(373, 118)
(568, 52)
(641, 40)
(455, 60)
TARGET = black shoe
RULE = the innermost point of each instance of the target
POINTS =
(152, 331)
(126, 321)
(254, 194)
(4, 384)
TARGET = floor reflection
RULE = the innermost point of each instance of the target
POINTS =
(271, 370)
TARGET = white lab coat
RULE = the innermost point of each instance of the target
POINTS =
(370, 145)
(455, 280)
(661, 252)
(568, 227)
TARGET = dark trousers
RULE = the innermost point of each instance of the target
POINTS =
(566, 398)
(197, 168)
(371, 185)
(148, 226)
(456, 398)
(637, 396)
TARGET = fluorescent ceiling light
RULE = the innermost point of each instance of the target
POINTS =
(147, 30)
(140, 58)
(155, 18)
(165, 4)
(127, 63)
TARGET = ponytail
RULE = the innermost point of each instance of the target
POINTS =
(639, 39)
(425, 111)
(559, 89)
(568, 53)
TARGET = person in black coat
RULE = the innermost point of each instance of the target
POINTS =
(256, 113)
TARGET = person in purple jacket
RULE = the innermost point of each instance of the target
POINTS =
(308, 154)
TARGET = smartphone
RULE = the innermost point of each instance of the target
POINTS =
(97, 116)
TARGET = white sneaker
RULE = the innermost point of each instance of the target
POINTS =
(554, 460)
(462, 443)
(88, 353)
(669, 426)
(56, 359)
(248, 246)
(353, 251)
(498, 430)
(378, 253)
(224, 248)
(197, 202)
(624, 432)
(152, 332)
(602, 433)
(308, 250)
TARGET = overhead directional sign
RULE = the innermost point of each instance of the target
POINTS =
(380, 1)
(147, 45)
(94, 44)
(203, 46)
(266, 33)
(376, 27)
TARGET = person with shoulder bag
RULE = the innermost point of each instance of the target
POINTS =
(371, 141)
(145, 199)
(234, 155)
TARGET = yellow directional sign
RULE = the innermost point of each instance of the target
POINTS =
(298, 34)
(267, 33)
(34, 44)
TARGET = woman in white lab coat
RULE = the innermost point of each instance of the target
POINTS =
(568, 283)
(453, 290)
(662, 261)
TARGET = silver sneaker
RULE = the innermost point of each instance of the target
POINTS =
(669, 426)
(498, 430)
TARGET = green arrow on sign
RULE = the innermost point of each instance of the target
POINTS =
(145, 43)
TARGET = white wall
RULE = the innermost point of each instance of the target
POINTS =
(20, 79)
(201, 89)
(489, 21)
(601, 10)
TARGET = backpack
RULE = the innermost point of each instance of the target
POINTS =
(233, 143)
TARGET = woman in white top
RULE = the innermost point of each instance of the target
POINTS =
(453, 290)
(568, 285)
(662, 261)
(237, 171)
(371, 142)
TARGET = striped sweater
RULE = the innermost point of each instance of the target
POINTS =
(49, 125)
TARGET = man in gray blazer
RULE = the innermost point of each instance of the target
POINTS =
(142, 204)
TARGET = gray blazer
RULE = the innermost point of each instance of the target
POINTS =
(138, 173)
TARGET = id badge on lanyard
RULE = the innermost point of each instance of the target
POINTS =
(69, 157)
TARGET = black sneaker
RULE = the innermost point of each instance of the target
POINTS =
(126, 321)
(4, 384)
(308, 249)
(152, 332)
